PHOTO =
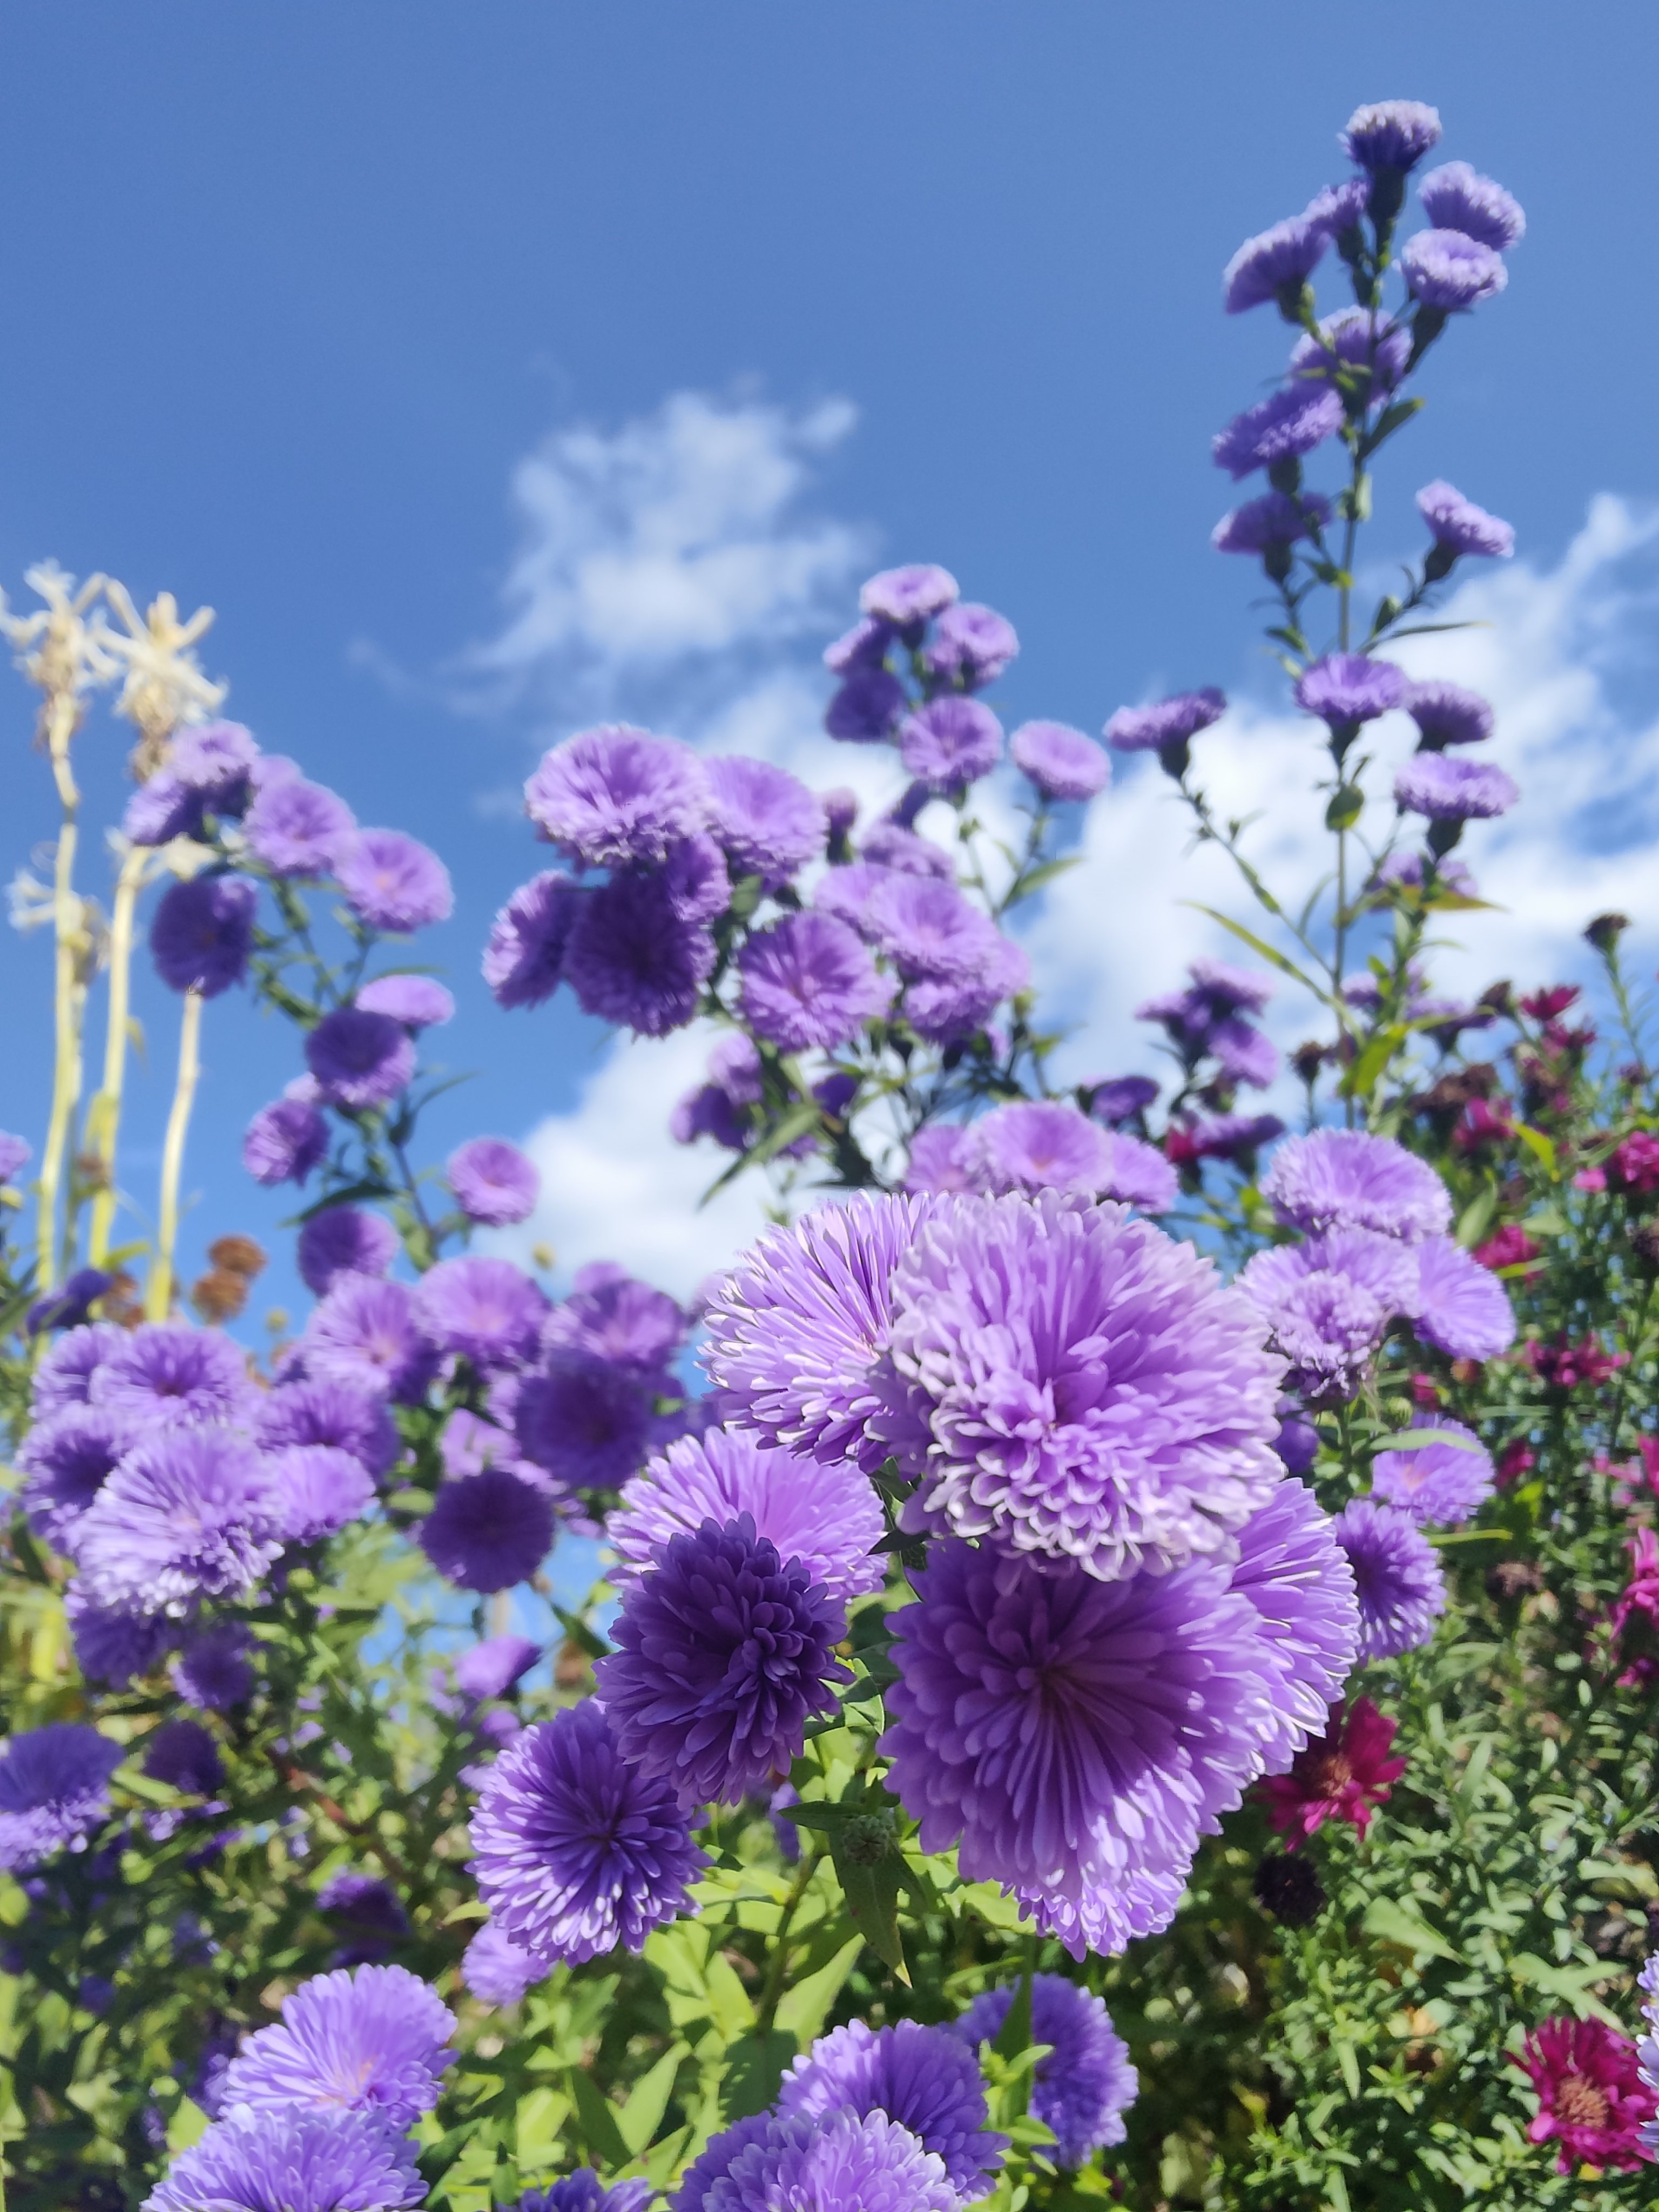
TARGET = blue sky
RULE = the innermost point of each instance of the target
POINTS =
(296, 295)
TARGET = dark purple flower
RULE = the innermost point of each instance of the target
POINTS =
(54, 1791)
(166, 1374)
(213, 1671)
(499, 1972)
(574, 1850)
(708, 1111)
(808, 982)
(1295, 1574)
(1083, 2086)
(1455, 197)
(1260, 526)
(371, 1912)
(188, 1513)
(375, 2041)
(360, 1059)
(943, 1157)
(1447, 789)
(926, 2078)
(949, 743)
(184, 1755)
(488, 1310)
(65, 1461)
(972, 644)
(907, 596)
(830, 1523)
(615, 794)
(1061, 762)
(111, 1643)
(524, 959)
(202, 932)
(1245, 1056)
(584, 1419)
(1169, 722)
(70, 1305)
(317, 1490)
(1439, 1480)
(299, 829)
(863, 710)
(163, 808)
(1446, 715)
(347, 1411)
(1460, 525)
(611, 1315)
(1346, 687)
(493, 1181)
(303, 2159)
(891, 845)
(1391, 133)
(841, 809)
(284, 1141)
(863, 646)
(846, 2163)
(1446, 270)
(1119, 1098)
(489, 1531)
(1343, 1179)
(946, 1008)
(767, 821)
(415, 1000)
(393, 882)
(364, 1332)
(583, 2191)
(1355, 338)
(1397, 1577)
(631, 961)
(341, 1241)
(215, 759)
(723, 1655)
(490, 1669)
(1288, 422)
(697, 882)
(1272, 264)
(1234, 1137)
(1461, 1307)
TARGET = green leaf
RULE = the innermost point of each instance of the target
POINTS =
(754, 2072)
(804, 2010)
(1259, 946)
(1395, 1920)
(598, 2123)
(872, 1894)
(1039, 877)
(1347, 804)
(1368, 1070)
(647, 2101)
(1537, 1144)
(1414, 1439)
(1477, 1217)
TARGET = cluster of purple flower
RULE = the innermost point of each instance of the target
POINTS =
(1040, 1145)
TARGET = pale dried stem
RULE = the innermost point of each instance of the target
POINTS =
(59, 719)
(158, 1288)
(104, 1116)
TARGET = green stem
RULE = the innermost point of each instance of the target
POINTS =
(777, 1967)
(158, 1290)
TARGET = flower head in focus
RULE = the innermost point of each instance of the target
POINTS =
(1445, 1479)
(375, 2041)
(1345, 1179)
(54, 1791)
(303, 2159)
(1593, 2102)
(846, 2163)
(923, 2078)
(1397, 1575)
(1085, 2084)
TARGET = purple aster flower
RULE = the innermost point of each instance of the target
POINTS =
(575, 1850)
(415, 1000)
(489, 1531)
(375, 2041)
(891, 845)
(1118, 1098)
(113, 1644)
(928, 928)
(1455, 197)
(716, 2161)
(299, 829)
(768, 822)
(1391, 133)
(187, 1514)
(364, 1332)
(1069, 1736)
(284, 1141)
(1273, 264)
(1040, 1145)
(1225, 989)
(1446, 715)
(863, 646)
(1346, 687)
(360, 1059)
(949, 743)
(696, 880)
(847, 893)
(1086, 1388)
(371, 1913)
(343, 1241)
(1461, 526)
(1447, 789)
(614, 1317)
(1298, 1441)
(184, 1755)
(585, 1419)
(65, 1461)
(795, 1334)
(346, 1412)
(972, 644)
(1288, 422)
(723, 1654)
(215, 759)
(490, 1669)
(213, 1671)
(1169, 722)
(923, 2078)
(393, 882)
(583, 2191)
(1461, 1307)
(1061, 762)
(1436, 1480)
(841, 809)
(499, 1972)
(1397, 1577)
(1245, 1054)
(1234, 1137)
(1295, 1575)
(54, 1791)
(15, 1153)
(70, 1305)
(1337, 208)
(1262, 525)
(304, 2160)
(808, 982)
(487, 1310)
(907, 596)
(830, 1523)
(846, 2163)
(202, 934)
(524, 959)
(1137, 1174)
(1327, 1325)
(615, 794)
(1343, 1179)
(942, 1158)
(1380, 1265)
(163, 808)
(1355, 338)
(166, 1374)
(1081, 2090)
(317, 1490)
(863, 710)
(946, 1008)
(493, 1181)
(631, 961)
(708, 1111)
(1446, 270)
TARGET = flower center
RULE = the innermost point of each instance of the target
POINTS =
(1328, 1774)
(1580, 2103)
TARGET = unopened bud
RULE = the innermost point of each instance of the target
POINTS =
(1604, 932)
(866, 1840)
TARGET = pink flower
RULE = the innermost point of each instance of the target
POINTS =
(1563, 1365)
(1639, 1595)
(1515, 1461)
(1545, 1005)
(1343, 1775)
(1592, 2097)
(1634, 1165)
(1508, 1247)
(1590, 1179)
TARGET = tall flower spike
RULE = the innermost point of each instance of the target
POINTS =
(163, 685)
(57, 648)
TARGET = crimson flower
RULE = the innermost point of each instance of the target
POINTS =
(1592, 2097)
(1343, 1775)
